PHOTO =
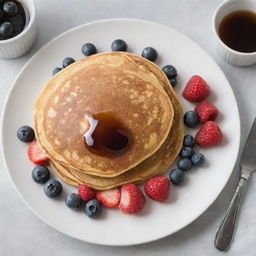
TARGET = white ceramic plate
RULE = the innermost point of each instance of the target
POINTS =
(187, 202)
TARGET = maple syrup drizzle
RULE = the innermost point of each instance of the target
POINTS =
(107, 135)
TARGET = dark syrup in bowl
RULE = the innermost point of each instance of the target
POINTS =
(238, 31)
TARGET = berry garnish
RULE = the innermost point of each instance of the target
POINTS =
(184, 164)
(89, 49)
(198, 159)
(53, 188)
(196, 89)
(191, 119)
(189, 141)
(157, 188)
(119, 45)
(187, 152)
(73, 201)
(40, 174)
(86, 193)
(93, 208)
(206, 111)
(67, 61)
(209, 134)
(132, 199)
(150, 53)
(170, 71)
(173, 81)
(35, 153)
(176, 176)
(26, 134)
(109, 198)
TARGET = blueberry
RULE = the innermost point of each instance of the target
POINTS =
(149, 53)
(176, 176)
(1, 14)
(189, 141)
(173, 81)
(198, 159)
(18, 22)
(67, 61)
(93, 208)
(25, 133)
(52, 188)
(119, 45)
(88, 49)
(10, 8)
(73, 201)
(56, 70)
(6, 29)
(187, 152)
(184, 164)
(40, 174)
(191, 119)
(170, 71)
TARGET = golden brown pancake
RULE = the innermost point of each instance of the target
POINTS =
(107, 82)
(152, 166)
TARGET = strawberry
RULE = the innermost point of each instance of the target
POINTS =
(86, 193)
(157, 188)
(209, 134)
(196, 89)
(132, 199)
(206, 111)
(35, 153)
(109, 198)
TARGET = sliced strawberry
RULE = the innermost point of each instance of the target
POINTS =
(109, 198)
(132, 199)
(35, 153)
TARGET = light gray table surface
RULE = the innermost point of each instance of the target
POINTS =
(22, 233)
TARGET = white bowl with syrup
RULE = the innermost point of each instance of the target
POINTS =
(230, 55)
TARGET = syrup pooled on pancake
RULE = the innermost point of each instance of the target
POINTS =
(107, 135)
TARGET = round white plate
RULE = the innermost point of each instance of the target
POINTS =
(187, 202)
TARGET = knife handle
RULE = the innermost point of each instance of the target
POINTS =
(225, 232)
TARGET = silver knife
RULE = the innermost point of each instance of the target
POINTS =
(247, 164)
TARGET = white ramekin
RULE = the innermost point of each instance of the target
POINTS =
(229, 55)
(20, 44)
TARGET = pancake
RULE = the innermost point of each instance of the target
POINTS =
(152, 166)
(64, 174)
(107, 82)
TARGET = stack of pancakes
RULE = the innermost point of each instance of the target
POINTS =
(132, 88)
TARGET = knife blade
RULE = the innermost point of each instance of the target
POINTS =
(248, 158)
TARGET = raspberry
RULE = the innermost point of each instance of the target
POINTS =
(158, 188)
(196, 89)
(86, 193)
(206, 111)
(209, 134)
